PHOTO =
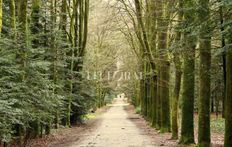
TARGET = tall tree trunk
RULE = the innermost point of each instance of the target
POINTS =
(143, 36)
(158, 101)
(163, 14)
(23, 41)
(35, 30)
(176, 99)
(149, 87)
(228, 106)
(54, 52)
(228, 102)
(143, 33)
(178, 75)
(85, 25)
(153, 31)
(187, 121)
(80, 31)
(23, 28)
(142, 87)
(144, 46)
(205, 64)
(144, 110)
(63, 28)
(224, 80)
(154, 106)
(223, 43)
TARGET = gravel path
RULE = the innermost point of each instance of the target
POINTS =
(116, 130)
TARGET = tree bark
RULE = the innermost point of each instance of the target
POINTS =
(228, 107)
(223, 43)
(228, 102)
(205, 64)
(162, 23)
(187, 120)
(178, 75)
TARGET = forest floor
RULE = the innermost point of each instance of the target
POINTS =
(64, 137)
(116, 125)
(164, 139)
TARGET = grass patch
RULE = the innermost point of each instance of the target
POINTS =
(217, 125)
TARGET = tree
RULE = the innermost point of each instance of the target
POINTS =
(228, 106)
(145, 48)
(228, 100)
(34, 66)
(178, 74)
(79, 32)
(205, 64)
(187, 121)
(223, 43)
(153, 38)
(22, 14)
(164, 69)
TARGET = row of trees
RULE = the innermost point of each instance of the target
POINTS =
(43, 44)
(186, 38)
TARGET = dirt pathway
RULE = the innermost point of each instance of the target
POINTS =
(115, 130)
(115, 126)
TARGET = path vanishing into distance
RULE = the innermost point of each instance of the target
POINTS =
(115, 130)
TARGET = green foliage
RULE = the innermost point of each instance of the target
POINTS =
(217, 125)
(133, 100)
(35, 72)
(138, 110)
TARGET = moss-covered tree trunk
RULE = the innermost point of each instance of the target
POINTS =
(163, 23)
(144, 36)
(142, 91)
(228, 106)
(80, 32)
(165, 118)
(63, 28)
(154, 101)
(54, 53)
(153, 37)
(205, 64)
(187, 121)
(228, 102)
(176, 98)
(178, 75)
(23, 29)
(149, 92)
(158, 101)
(22, 54)
(34, 129)
(223, 43)
(144, 109)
